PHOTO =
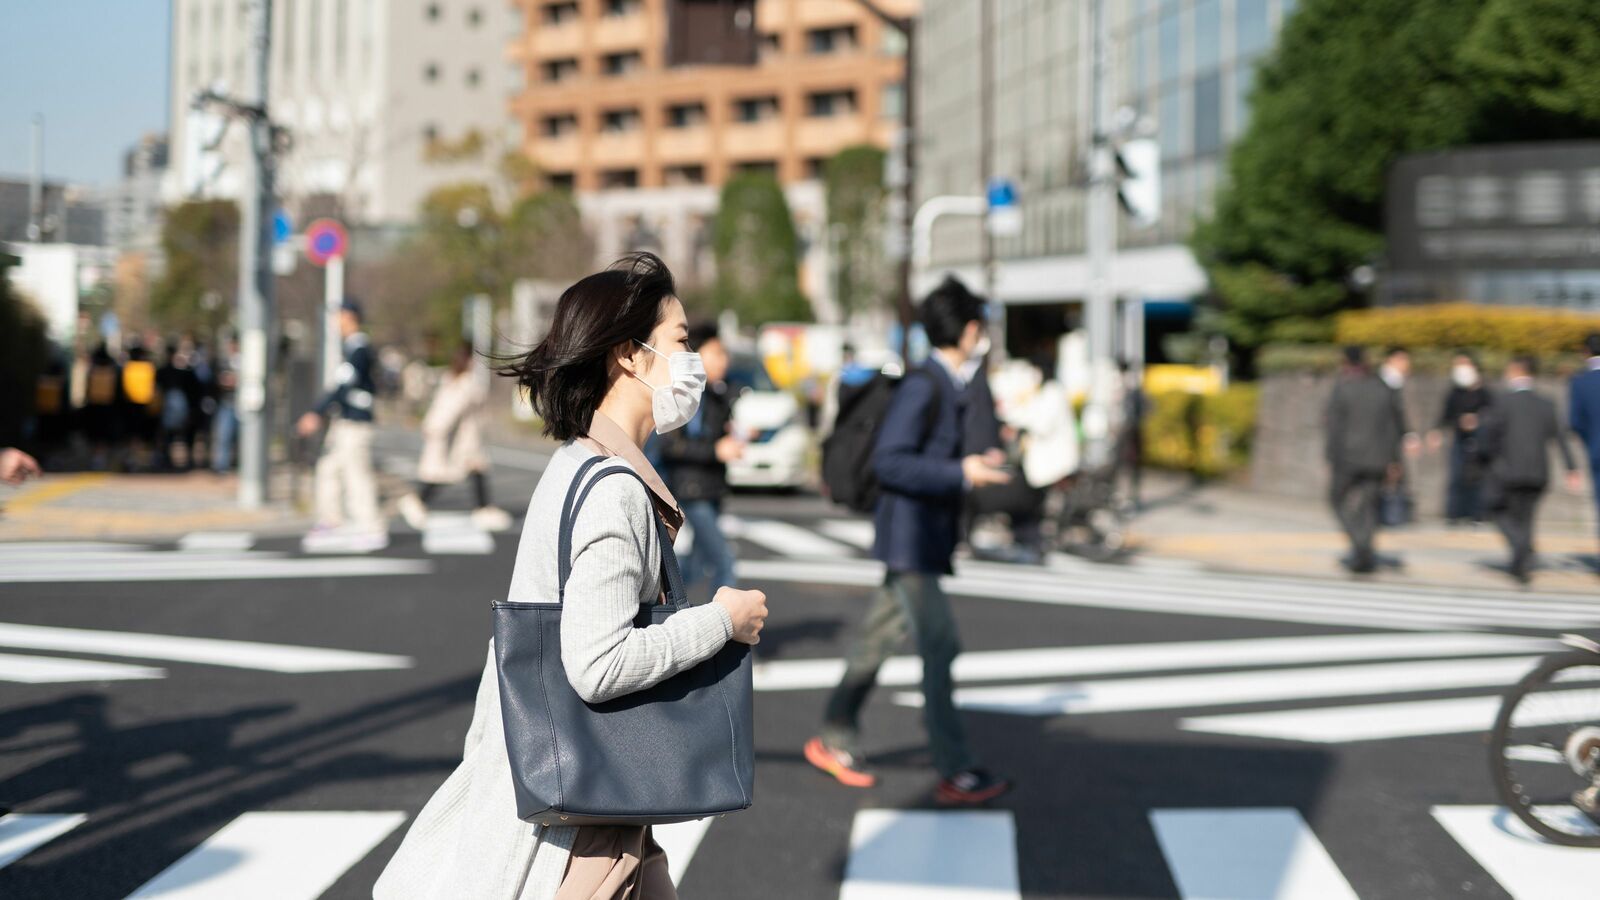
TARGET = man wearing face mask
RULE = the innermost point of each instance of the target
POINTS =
(1463, 411)
(1517, 434)
(922, 476)
(1365, 429)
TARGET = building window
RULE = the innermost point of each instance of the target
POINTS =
(430, 73)
(561, 181)
(623, 7)
(1208, 114)
(1252, 27)
(816, 167)
(677, 176)
(758, 167)
(314, 39)
(474, 17)
(432, 12)
(1207, 35)
(613, 179)
(686, 115)
(560, 13)
(616, 121)
(770, 48)
(560, 69)
(473, 77)
(341, 32)
(617, 64)
(831, 103)
(893, 104)
(838, 39)
(755, 109)
(559, 125)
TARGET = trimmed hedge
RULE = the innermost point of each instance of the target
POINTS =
(1509, 329)
(1207, 434)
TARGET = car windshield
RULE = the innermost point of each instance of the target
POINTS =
(747, 373)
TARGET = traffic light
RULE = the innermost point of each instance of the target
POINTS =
(1139, 180)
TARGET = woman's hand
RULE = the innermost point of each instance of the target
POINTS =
(747, 609)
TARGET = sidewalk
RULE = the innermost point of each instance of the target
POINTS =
(97, 505)
(1228, 528)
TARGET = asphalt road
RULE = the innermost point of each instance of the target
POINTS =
(1242, 737)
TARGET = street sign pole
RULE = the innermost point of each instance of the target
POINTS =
(332, 299)
(1100, 237)
(256, 316)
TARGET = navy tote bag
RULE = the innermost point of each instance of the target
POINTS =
(680, 750)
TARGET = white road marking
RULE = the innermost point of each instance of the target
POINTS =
(1376, 721)
(208, 651)
(1246, 854)
(454, 534)
(205, 567)
(907, 854)
(1528, 867)
(22, 833)
(273, 856)
(1057, 662)
(217, 540)
(791, 540)
(680, 841)
(50, 670)
(35, 549)
(855, 532)
(1224, 689)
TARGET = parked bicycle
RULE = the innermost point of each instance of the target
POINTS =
(1544, 751)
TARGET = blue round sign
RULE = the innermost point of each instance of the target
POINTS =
(282, 226)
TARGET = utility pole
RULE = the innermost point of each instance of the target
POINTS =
(1100, 238)
(36, 182)
(986, 138)
(907, 27)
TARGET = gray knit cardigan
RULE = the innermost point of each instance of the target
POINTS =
(468, 842)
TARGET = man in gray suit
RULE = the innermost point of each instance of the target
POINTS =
(1366, 425)
(1516, 441)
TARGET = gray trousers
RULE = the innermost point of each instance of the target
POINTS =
(1355, 496)
(1515, 518)
(908, 602)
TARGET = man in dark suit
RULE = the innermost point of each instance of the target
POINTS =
(1584, 409)
(1517, 436)
(1365, 428)
(922, 475)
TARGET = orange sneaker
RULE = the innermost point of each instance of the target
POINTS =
(839, 764)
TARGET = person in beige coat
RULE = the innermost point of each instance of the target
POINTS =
(453, 448)
(601, 380)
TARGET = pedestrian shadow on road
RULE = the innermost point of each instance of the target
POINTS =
(776, 640)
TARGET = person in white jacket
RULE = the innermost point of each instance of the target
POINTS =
(453, 447)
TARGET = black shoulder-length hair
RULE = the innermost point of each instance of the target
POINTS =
(567, 374)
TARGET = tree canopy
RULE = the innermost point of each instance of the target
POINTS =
(757, 252)
(856, 198)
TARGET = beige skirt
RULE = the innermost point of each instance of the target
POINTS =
(616, 862)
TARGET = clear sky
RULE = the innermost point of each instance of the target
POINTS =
(96, 70)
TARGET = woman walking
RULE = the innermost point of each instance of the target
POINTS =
(453, 447)
(614, 366)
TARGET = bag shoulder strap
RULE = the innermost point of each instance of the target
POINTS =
(676, 595)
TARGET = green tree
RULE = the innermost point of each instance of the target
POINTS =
(757, 252)
(1350, 87)
(200, 240)
(856, 198)
(1534, 63)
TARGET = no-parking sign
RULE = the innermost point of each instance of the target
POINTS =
(325, 240)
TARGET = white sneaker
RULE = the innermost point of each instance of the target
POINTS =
(412, 510)
(491, 518)
(367, 541)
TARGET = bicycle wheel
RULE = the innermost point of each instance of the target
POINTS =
(1544, 751)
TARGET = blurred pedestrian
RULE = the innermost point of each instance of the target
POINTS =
(1395, 504)
(16, 466)
(453, 448)
(614, 365)
(225, 420)
(104, 408)
(140, 407)
(1584, 412)
(851, 378)
(1130, 430)
(1461, 416)
(696, 458)
(344, 476)
(179, 389)
(1365, 429)
(922, 477)
(1517, 433)
(984, 434)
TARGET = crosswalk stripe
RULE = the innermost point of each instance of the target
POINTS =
(680, 841)
(209, 651)
(855, 532)
(1379, 721)
(205, 567)
(22, 833)
(1528, 867)
(235, 541)
(790, 540)
(1057, 662)
(905, 854)
(34, 549)
(49, 670)
(1174, 691)
(454, 534)
(273, 856)
(1246, 854)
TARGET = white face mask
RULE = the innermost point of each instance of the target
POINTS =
(1464, 376)
(675, 403)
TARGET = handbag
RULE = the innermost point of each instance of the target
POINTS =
(680, 750)
(1394, 507)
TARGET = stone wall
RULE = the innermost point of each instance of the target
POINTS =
(1287, 456)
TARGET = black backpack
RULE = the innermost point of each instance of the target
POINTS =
(847, 474)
